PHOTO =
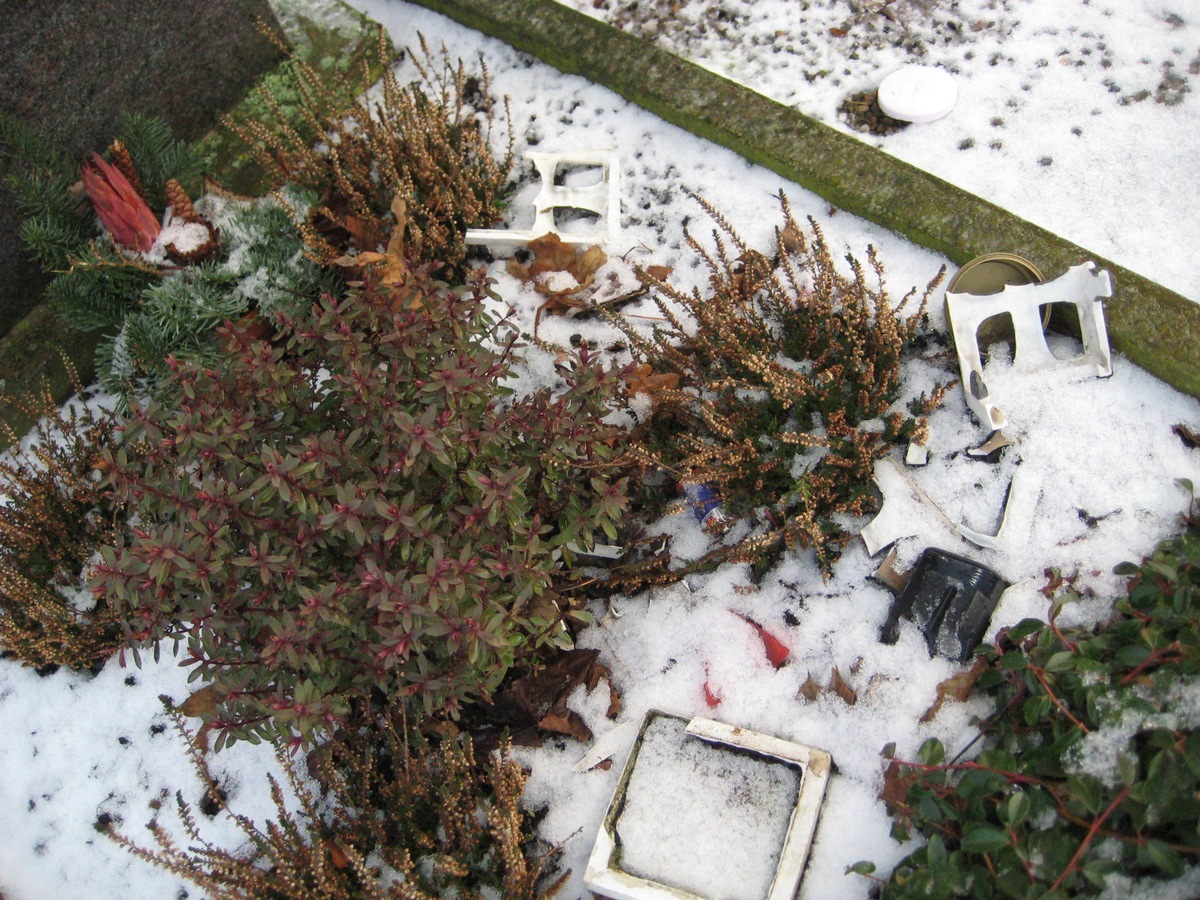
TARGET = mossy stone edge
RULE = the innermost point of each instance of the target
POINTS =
(32, 353)
(1156, 328)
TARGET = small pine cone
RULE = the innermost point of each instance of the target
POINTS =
(181, 203)
(123, 163)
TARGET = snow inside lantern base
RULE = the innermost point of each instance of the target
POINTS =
(706, 810)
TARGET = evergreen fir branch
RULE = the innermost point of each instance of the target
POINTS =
(159, 156)
(100, 287)
(20, 142)
(115, 372)
(53, 239)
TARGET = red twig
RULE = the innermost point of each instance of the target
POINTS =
(1037, 673)
(1156, 658)
(1087, 839)
(1015, 777)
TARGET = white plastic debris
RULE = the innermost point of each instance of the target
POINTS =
(917, 455)
(709, 765)
(901, 493)
(918, 94)
(1081, 286)
(602, 198)
(1017, 519)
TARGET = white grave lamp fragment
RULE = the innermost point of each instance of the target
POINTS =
(1081, 286)
(706, 809)
(601, 198)
(901, 493)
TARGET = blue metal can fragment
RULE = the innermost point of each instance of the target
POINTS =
(706, 505)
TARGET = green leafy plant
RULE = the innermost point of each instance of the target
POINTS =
(402, 818)
(1090, 767)
(55, 519)
(361, 506)
(776, 388)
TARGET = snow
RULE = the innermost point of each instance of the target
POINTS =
(1078, 116)
(1101, 449)
(680, 788)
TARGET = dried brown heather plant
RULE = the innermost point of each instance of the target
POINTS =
(788, 376)
(53, 519)
(400, 819)
(427, 143)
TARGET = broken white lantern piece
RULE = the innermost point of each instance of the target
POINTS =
(1081, 286)
(704, 809)
(917, 94)
(601, 197)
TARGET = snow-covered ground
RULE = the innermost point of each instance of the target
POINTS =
(74, 748)
(1079, 115)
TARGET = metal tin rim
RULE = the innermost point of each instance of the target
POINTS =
(1017, 262)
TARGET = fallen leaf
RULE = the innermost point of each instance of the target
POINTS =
(956, 687)
(791, 239)
(201, 702)
(550, 254)
(896, 785)
(838, 685)
(566, 722)
(585, 264)
(642, 379)
(838, 32)
(1190, 438)
(614, 701)
(810, 690)
(392, 266)
(654, 273)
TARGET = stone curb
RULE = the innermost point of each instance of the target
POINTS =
(1154, 327)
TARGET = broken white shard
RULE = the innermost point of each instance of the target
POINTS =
(902, 495)
(895, 519)
(917, 455)
(1017, 519)
(608, 745)
(917, 94)
(601, 198)
(998, 441)
(1081, 286)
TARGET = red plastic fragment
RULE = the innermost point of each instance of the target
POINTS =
(777, 653)
(710, 698)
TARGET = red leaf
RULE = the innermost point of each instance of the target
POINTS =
(777, 652)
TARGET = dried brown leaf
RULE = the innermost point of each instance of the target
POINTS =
(956, 687)
(810, 690)
(656, 273)
(550, 254)
(566, 721)
(585, 264)
(838, 685)
(644, 380)
(201, 702)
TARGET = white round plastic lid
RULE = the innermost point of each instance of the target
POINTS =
(918, 94)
